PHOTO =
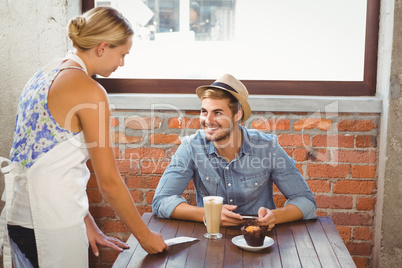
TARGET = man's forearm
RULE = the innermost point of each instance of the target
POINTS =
(287, 213)
(188, 212)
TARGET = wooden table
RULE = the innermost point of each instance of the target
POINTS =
(311, 243)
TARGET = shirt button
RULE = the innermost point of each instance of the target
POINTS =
(207, 178)
(256, 184)
(229, 184)
(231, 200)
(227, 168)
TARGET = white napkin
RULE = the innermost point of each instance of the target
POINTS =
(179, 240)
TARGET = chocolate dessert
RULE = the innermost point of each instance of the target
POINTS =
(254, 235)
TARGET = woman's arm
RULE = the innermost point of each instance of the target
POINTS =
(94, 117)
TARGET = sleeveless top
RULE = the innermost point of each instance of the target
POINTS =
(54, 187)
(36, 132)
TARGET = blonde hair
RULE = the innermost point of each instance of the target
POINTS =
(216, 93)
(100, 24)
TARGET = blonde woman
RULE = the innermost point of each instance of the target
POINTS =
(62, 121)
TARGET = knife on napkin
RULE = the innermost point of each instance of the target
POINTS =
(179, 240)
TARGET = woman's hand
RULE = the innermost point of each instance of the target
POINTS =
(96, 236)
(153, 243)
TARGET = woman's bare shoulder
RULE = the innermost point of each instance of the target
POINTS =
(76, 84)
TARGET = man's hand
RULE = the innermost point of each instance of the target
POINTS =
(266, 218)
(228, 217)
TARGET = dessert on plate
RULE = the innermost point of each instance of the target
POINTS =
(254, 235)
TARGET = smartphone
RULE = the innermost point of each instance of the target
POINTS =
(245, 217)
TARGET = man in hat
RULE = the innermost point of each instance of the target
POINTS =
(226, 159)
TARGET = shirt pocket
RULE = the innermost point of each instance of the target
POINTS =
(253, 186)
(208, 184)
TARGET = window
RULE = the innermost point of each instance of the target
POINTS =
(169, 32)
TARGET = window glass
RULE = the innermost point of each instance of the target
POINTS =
(311, 40)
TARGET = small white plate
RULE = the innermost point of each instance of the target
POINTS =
(241, 242)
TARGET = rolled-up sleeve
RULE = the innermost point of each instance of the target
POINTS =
(293, 186)
(173, 182)
(306, 206)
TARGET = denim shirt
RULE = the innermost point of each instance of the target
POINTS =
(247, 181)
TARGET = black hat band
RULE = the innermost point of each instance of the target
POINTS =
(225, 86)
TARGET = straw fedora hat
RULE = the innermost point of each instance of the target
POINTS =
(230, 84)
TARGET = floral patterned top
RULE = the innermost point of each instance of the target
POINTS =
(36, 132)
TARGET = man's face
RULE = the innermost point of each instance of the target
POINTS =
(217, 119)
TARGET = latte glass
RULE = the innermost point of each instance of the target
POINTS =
(212, 218)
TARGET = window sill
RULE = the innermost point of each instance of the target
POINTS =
(267, 103)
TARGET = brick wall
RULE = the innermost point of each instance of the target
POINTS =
(336, 154)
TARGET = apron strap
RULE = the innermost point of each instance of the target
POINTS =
(7, 196)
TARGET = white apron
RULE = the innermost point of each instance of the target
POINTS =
(57, 194)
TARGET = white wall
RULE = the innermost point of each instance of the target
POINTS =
(31, 33)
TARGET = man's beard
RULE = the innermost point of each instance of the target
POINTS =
(222, 135)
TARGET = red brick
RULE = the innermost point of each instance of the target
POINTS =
(363, 171)
(102, 211)
(319, 123)
(279, 200)
(365, 203)
(334, 202)
(92, 183)
(114, 122)
(128, 166)
(354, 187)
(184, 122)
(362, 233)
(137, 196)
(191, 198)
(120, 137)
(116, 152)
(144, 209)
(345, 233)
(276, 189)
(139, 123)
(328, 171)
(114, 226)
(361, 262)
(300, 154)
(154, 167)
(294, 140)
(356, 125)
(94, 196)
(366, 141)
(89, 166)
(164, 139)
(355, 156)
(289, 151)
(190, 186)
(145, 153)
(360, 249)
(343, 141)
(319, 186)
(149, 196)
(263, 124)
(142, 182)
(300, 168)
(322, 155)
(321, 213)
(351, 219)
